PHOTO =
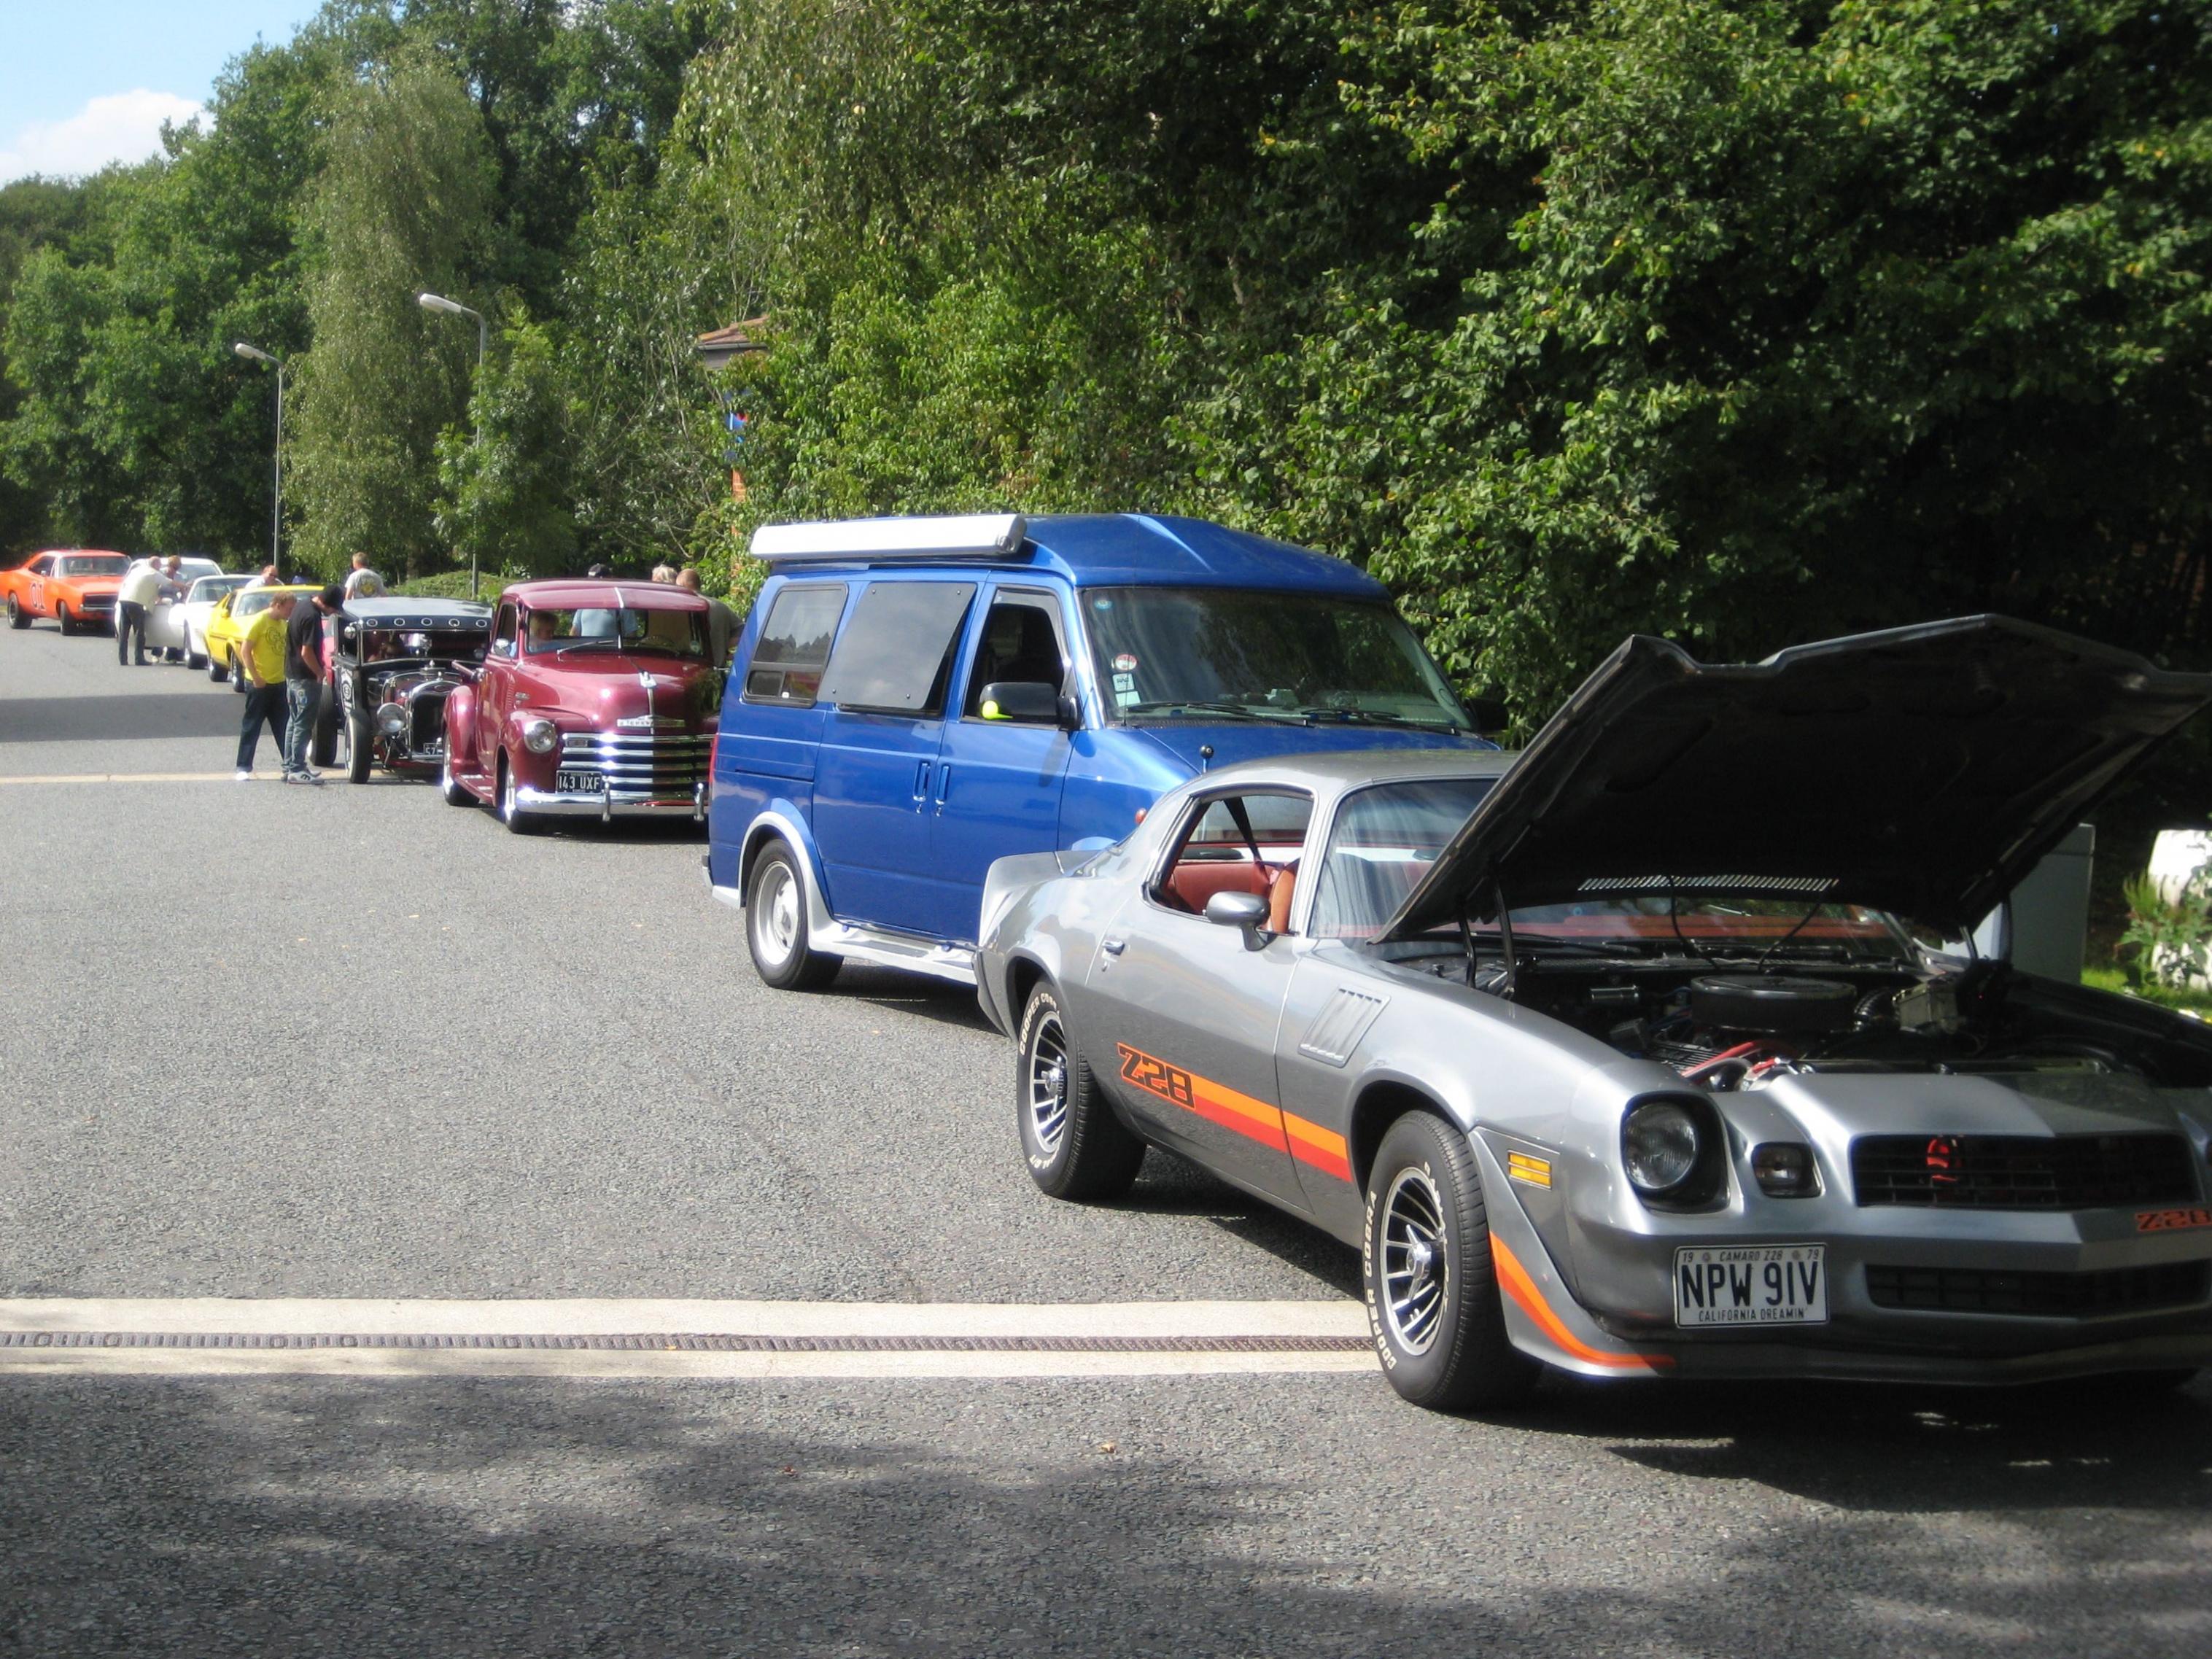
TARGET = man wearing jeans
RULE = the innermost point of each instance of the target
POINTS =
(303, 679)
(140, 593)
(261, 668)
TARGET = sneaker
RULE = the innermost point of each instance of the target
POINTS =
(305, 777)
(244, 775)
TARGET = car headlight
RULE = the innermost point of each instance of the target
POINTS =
(1660, 1144)
(392, 720)
(539, 736)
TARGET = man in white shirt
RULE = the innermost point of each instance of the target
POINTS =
(140, 593)
(362, 582)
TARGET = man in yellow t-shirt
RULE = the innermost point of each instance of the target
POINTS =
(261, 667)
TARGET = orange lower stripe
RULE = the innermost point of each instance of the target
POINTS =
(1323, 1149)
(1514, 1278)
(1208, 1104)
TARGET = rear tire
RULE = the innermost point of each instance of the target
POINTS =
(775, 926)
(1075, 1147)
(1433, 1302)
(17, 616)
(323, 742)
(217, 670)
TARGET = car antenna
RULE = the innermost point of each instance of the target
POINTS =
(1204, 754)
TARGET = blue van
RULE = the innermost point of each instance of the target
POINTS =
(913, 698)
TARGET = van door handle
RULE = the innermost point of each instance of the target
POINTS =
(1113, 947)
(921, 781)
(944, 782)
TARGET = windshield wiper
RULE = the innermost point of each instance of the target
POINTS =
(594, 644)
(1234, 710)
(1379, 717)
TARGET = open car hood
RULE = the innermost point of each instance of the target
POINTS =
(1923, 770)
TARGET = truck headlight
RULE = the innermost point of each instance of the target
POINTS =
(392, 720)
(539, 736)
(1660, 1144)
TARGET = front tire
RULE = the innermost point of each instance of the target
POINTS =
(1433, 1302)
(1075, 1147)
(518, 821)
(449, 786)
(775, 926)
(361, 748)
(62, 617)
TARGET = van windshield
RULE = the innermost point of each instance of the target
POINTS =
(1209, 653)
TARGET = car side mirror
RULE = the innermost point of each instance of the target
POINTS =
(1033, 702)
(1489, 713)
(1246, 911)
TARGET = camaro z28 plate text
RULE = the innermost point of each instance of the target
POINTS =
(1751, 1285)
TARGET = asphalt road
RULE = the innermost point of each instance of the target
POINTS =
(276, 1042)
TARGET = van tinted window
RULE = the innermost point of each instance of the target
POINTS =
(895, 654)
(794, 644)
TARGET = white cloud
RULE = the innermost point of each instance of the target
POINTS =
(123, 127)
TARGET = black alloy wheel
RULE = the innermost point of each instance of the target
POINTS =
(1074, 1144)
(17, 616)
(360, 747)
(1433, 1302)
(775, 925)
(323, 742)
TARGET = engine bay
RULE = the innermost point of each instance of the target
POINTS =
(1725, 1027)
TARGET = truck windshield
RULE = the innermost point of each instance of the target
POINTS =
(1208, 654)
(629, 629)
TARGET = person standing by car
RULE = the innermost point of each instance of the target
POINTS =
(261, 665)
(303, 679)
(722, 623)
(140, 593)
(362, 582)
(266, 579)
(664, 573)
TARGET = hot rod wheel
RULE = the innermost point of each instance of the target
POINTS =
(323, 747)
(1075, 1147)
(360, 746)
(1433, 1305)
(775, 926)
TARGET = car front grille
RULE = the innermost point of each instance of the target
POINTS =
(664, 764)
(426, 723)
(2040, 1296)
(2022, 1172)
(99, 602)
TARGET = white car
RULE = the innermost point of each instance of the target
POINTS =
(180, 625)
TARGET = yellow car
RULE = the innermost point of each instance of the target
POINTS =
(226, 628)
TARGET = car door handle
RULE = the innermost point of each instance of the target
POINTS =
(1113, 947)
(944, 782)
(921, 781)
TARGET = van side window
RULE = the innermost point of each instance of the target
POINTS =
(794, 644)
(1020, 641)
(503, 632)
(896, 655)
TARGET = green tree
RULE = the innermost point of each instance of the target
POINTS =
(403, 205)
(506, 500)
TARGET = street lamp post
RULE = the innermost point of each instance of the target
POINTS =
(276, 505)
(455, 308)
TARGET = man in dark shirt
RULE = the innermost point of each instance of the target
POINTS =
(303, 679)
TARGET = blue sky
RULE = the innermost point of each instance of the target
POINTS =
(83, 82)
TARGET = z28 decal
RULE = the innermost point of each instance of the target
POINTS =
(2169, 1221)
(1286, 1132)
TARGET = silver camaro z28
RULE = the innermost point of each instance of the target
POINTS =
(1642, 1052)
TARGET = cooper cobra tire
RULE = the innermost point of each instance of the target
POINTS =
(775, 926)
(361, 748)
(449, 786)
(17, 616)
(511, 812)
(1075, 1147)
(323, 742)
(1433, 1305)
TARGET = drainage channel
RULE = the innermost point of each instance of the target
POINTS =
(682, 1342)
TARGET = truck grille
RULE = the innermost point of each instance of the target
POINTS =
(2022, 1172)
(2044, 1295)
(663, 763)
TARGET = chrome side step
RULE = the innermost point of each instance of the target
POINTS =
(882, 949)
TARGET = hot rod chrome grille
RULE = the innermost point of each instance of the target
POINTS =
(2022, 1172)
(425, 724)
(641, 762)
(2044, 1295)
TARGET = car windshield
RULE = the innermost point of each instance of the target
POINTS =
(208, 589)
(386, 644)
(254, 600)
(630, 628)
(94, 564)
(1387, 837)
(1215, 653)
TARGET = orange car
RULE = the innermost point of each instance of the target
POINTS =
(74, 586)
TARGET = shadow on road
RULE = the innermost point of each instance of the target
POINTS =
(527, 1518)
(121, 719)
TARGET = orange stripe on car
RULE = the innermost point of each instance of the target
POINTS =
(1287, 1132)
(1323, 1149)
(1513, 1279)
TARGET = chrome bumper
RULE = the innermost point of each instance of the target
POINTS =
(607, 804)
